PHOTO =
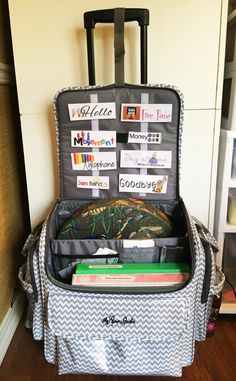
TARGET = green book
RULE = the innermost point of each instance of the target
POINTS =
(132, 268)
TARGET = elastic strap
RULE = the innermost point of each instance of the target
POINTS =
(119, 17)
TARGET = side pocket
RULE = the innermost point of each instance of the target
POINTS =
(219, 283)
(25, 280)
(212, 285)
(211, 248)
(30, 281)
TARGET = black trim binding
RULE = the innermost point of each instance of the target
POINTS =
(207, 274)
(209, 249)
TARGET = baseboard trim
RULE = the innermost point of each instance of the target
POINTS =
(9, 325)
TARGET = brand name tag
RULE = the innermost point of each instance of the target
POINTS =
(90, 111)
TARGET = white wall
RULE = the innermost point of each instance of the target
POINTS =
(186, 48)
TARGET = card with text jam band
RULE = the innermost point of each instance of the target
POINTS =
(93, 182)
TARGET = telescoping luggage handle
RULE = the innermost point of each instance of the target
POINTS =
(117, 16)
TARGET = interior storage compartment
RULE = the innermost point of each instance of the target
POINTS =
(65, 254)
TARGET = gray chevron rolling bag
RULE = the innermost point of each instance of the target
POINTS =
(108, 138)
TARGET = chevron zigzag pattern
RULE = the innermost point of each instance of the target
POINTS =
(161, 341)
(111, 357)
(152, 319)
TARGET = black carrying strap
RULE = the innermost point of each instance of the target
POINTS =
(28, 250)
(208, 245)
(205, 235)
(119, 19)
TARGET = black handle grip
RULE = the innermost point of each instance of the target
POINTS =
(141, 15)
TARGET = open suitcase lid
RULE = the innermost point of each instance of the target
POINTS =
(119, 142)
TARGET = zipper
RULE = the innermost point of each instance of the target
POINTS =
(121, 290)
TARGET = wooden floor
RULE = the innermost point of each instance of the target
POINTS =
(215, 359)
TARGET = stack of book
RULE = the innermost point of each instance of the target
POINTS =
(131, 274)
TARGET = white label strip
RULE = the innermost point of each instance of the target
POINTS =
(145, 159)
(143, 128)
(90, 111)
(90, 161)
(95, 127)
(150, 113)
(93, 182)
(93, 139)
(144, 137)
(142, 243)
(141, 183)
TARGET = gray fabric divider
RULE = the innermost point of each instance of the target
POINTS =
(66, 253)
(127, 94)
(83, 247)
(88, 247)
